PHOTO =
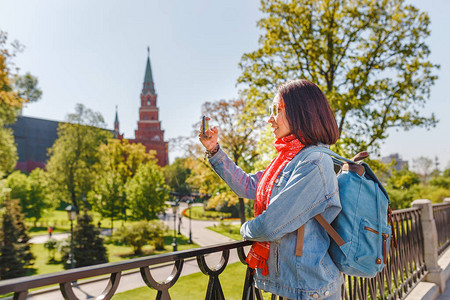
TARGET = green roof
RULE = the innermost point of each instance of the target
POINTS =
(148, 79)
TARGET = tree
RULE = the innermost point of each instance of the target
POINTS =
(119, 161)
(147, 192)
(107, 195)
(369, 57)
(423, 165)
(238, 136)
(176, 175)
(37, 191)
(401, 187)
(88, 244)
(15, 253)
(15, 90)
(74, 156)
(31, 191)
(18, 182)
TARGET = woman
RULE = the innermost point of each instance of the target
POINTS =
(295, 187)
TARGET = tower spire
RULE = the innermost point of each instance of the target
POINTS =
(116, 131)
(116, 120)
(149, 86)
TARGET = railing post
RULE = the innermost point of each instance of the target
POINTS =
(447, 200)
(430, 239)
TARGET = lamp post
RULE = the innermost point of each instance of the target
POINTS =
(190, 230)
(174, 210)
(72, 214)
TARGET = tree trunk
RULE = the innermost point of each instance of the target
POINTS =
(74, 200)
(242, 210)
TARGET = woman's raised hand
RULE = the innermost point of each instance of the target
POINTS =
(209, 139)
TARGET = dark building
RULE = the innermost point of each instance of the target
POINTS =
(33, 137)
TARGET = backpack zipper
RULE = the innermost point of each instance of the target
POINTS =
(385, 237)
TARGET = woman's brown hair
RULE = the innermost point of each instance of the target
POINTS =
(308, 113)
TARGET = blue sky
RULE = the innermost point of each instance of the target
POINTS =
(94, 52)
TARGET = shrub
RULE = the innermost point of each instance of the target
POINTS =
(141, 233)
(51, 245)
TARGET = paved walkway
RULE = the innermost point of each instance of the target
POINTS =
(200, 235)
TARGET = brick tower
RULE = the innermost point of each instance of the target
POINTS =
(149, 131)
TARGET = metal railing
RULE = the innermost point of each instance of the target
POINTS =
(441, 214)
(405, 265)
(405, 268)
(21, 286)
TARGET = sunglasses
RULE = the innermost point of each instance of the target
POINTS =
(275, 109)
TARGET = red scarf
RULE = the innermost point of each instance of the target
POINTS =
(287, 147)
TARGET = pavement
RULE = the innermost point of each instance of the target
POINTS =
(40, 239)
(132, 280)
(446, 294)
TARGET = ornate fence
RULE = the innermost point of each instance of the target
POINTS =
(441, 214)
(405, 267)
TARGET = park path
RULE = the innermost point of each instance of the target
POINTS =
(200, 235)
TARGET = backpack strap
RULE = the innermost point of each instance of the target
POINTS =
(328, 228)
(348, 165)
(300, 240)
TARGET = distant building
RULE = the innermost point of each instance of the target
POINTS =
(149, 131)
(399, 164)
(33, 137)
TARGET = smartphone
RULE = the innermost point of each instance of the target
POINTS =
(205, 125)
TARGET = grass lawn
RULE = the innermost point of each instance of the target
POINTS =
(227, 229)
(59, 221)
(198, 213)
(194, 286)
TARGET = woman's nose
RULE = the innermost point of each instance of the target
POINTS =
(271, 119)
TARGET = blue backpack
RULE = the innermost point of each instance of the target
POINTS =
(360, 233)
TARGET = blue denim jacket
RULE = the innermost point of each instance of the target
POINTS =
(305, 187)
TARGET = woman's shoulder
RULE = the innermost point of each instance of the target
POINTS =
(312, 156)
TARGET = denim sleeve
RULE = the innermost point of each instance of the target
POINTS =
(304, 196)
(243, 184)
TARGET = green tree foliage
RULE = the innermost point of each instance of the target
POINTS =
(8, 151)
(401, 187)
(405, 186)
(15, 253)
(15, 90)
(74, 156)
(31, 191)
(51, 245)
(239, 135)
(446, 172)
(147, 192)
(441, 181)
(88, 244)
(369, 57)
(37, 195)
(108, 195)
(140, 234)
(18, 182)
(119, 161)
(176, 175)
